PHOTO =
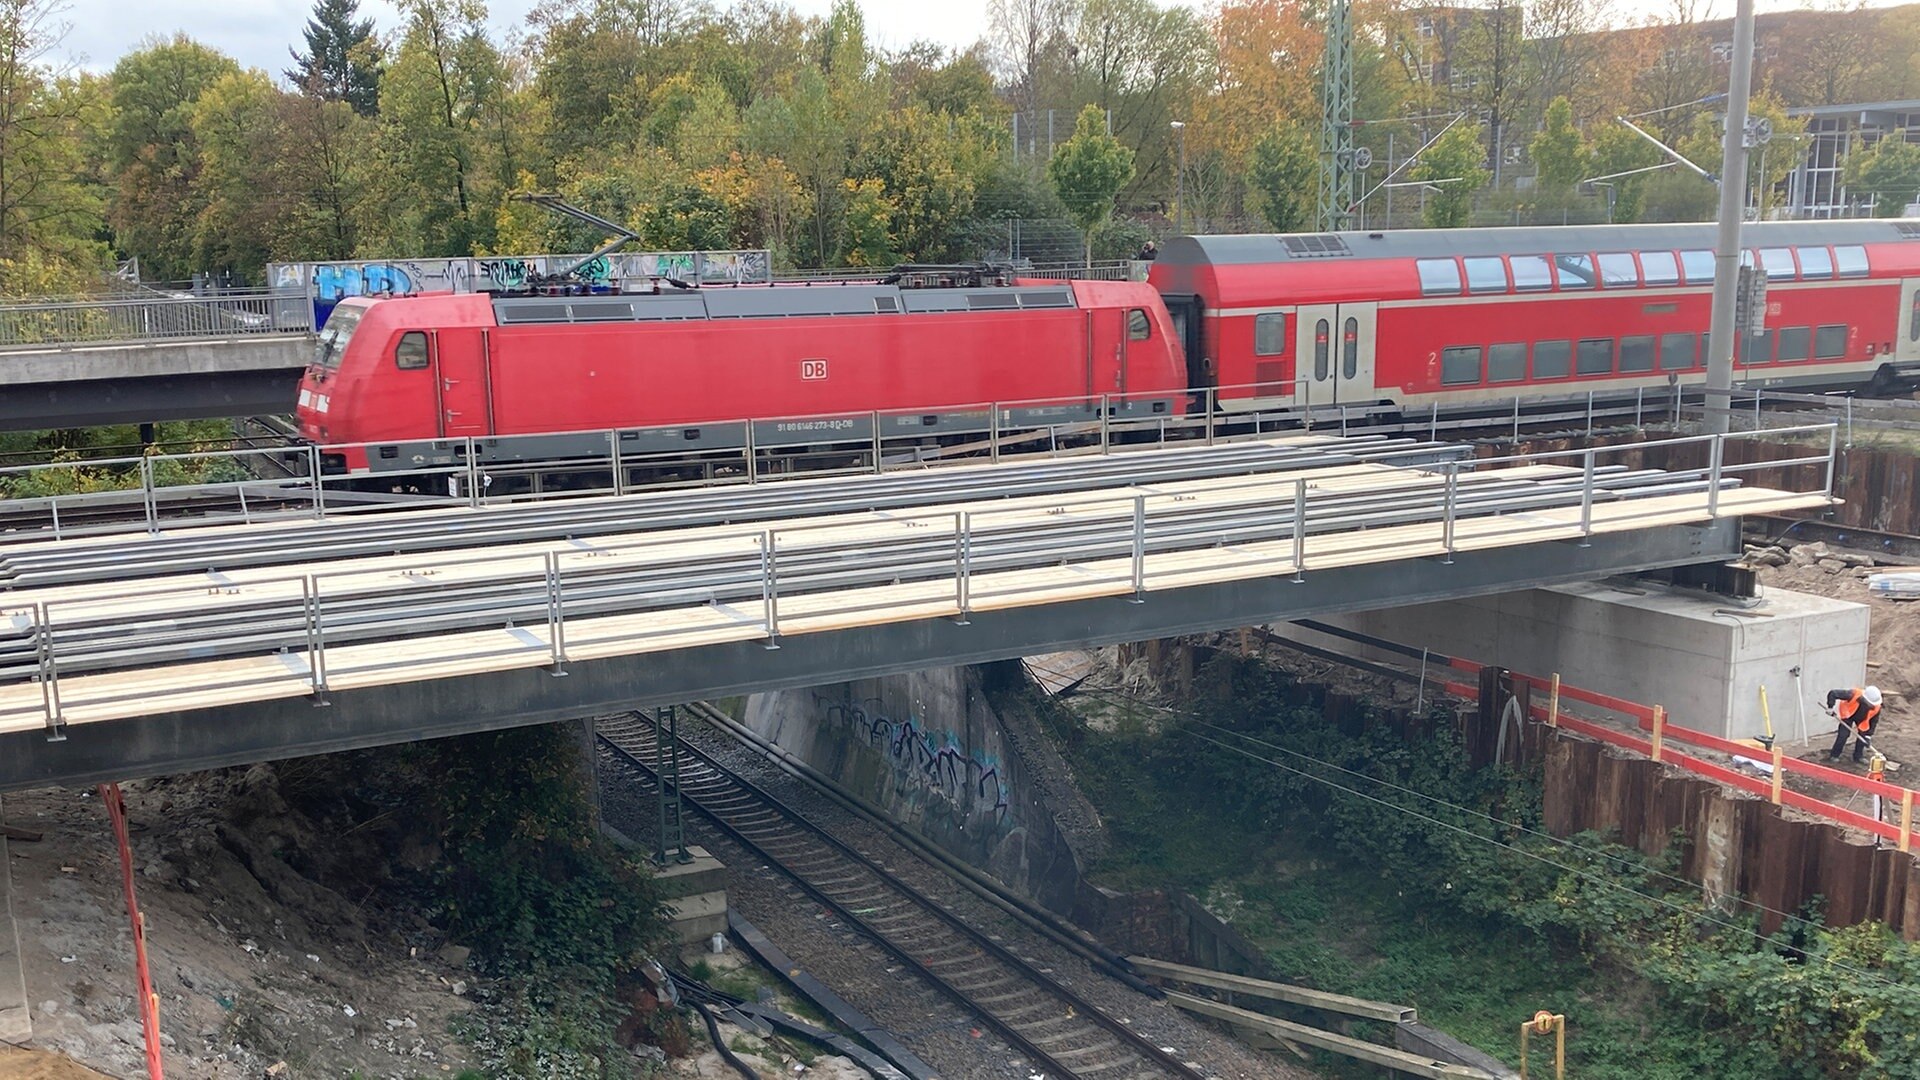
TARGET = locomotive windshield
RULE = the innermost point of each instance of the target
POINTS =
(334, 335)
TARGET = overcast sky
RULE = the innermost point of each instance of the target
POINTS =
(258, 32)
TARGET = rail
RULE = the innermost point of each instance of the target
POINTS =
(758, 583)
(84, 320)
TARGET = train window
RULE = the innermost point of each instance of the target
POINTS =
(1678, 351)
(1913, 321)
(1659, 268)
(1507, 362)
(1438, 277)
(411, 353)
(1595, 356)
(1552, 359)
(1617, 270)
(1531, 273)
(1138, 328)
(1698, 265)
(1830, 342)
(1350, 349)
(1636, 353)
(1755, 349)
(1796, 343)
(1486, 274)
(1460, 364)
(1850, 260)
(1778, 263)
(1269, 334)
(1576, 271)
(1815, 264)
(1321, 331)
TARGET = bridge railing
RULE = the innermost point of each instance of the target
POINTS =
(79, 320)
(224, 485)
(756, 583)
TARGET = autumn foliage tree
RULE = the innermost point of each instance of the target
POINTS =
(1088, 171)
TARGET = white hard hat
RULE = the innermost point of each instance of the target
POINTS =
(1872, 694)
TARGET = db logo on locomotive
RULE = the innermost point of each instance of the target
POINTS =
(811, 370)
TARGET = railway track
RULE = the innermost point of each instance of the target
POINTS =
(1065, 1036)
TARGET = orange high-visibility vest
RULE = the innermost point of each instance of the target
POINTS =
(1853, 709)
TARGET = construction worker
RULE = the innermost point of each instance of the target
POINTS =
(1857, 710)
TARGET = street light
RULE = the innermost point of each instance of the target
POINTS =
(1180, 181)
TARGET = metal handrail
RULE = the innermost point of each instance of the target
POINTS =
(736, 566)
(100, 319)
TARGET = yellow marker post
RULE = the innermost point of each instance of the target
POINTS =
(1779, 771)
(1545, 1023)
(1766, 715)
(1553, 702)
(1659, 729)
(1906, 819)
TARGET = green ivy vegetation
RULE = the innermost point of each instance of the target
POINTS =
(75, 452)
(553, 909)
(1478, 923)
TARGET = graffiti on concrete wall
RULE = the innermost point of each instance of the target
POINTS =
(969, 783)
(333, 281)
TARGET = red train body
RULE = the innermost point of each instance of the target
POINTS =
(1433, 318)
(1465, 316)
(453, 366)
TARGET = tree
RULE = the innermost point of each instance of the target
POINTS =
(240, 187)
(153, 153)
(869, 224)
(445, 153)
(1087, 173)
(47, 212)
(1616, 151)
(1283, 173)
(1452, 165)
(342, 61)
(1888, 173)
(1559, 153)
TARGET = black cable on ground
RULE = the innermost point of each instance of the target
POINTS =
(726, 1052)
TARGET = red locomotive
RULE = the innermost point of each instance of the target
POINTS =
(1416, 319)
(447, 366)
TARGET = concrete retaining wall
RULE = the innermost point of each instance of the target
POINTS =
(929, 749)
(1704, 658)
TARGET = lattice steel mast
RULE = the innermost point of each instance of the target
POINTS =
(1336, 119)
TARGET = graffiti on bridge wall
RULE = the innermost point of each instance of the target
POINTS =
(970, 784)
(336, 281)
(329, 282)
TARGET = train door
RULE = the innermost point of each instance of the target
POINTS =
(1186, 312)
(464, 382)
(1334, 347)
(1907, 331)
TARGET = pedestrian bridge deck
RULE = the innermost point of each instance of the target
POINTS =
(184, 670)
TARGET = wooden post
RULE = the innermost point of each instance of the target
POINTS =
(1778, 772)
(1906, 819)
(1659, 729)
(1553, 702)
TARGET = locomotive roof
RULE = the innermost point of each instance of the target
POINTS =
(775, 301)
(1240, 250)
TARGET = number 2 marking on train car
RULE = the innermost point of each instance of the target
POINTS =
(813, 370)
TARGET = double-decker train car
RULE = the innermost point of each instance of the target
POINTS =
(447, 367)
(1463, 316)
